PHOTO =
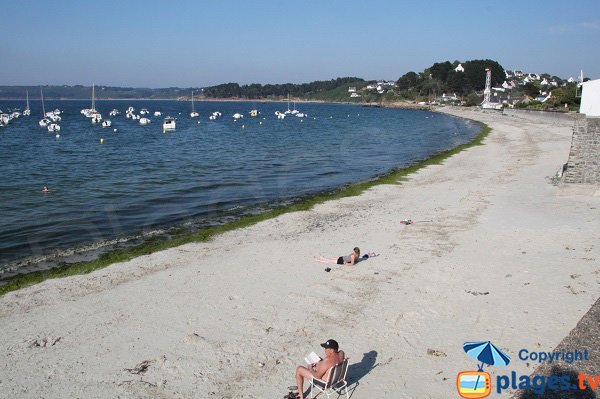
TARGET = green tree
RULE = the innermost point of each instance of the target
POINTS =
(408, 81)
(456, 82)
(475, 73)
(440, 71)
(531, 90)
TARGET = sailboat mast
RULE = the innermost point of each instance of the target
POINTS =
(93, 99)
(43, 108)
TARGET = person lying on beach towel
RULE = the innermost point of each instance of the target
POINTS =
(349, 260)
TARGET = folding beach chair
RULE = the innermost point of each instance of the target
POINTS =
(333, 380)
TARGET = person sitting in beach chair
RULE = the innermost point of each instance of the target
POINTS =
(349, 260)
(317, 370)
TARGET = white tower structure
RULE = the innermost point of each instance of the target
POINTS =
(487, 93)
(488, 86)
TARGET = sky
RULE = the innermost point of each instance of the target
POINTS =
(181, 43)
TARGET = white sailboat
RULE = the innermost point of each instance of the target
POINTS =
(193, 114)
(27, 111)
(289, 111)
(91, 113)
(45, 121)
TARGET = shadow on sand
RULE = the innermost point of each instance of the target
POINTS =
(357, 371)
(572, 391)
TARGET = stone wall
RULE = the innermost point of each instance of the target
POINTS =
(556, 117)
(584, 158)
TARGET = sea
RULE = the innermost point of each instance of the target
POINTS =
(118, 186)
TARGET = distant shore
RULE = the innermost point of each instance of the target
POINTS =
(396, 104)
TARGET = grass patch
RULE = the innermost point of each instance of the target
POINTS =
(395, 176)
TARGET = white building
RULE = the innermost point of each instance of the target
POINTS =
(590, 98)
(459, 68)
(351, 89)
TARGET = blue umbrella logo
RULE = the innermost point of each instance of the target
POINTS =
(486, 353)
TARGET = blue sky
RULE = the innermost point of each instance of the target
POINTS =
(200, 43)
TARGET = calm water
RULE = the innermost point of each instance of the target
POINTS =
(141, 180)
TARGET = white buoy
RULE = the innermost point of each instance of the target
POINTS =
(57, 135)
(115, 129)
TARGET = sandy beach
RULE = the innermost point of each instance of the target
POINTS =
(497, 253)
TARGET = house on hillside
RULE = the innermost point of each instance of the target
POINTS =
(351, 89)
(445, 98)
(459, 68)
(509, 85)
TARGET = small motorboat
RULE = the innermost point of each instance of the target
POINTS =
(169, 123)
(53, 127)
(106, 123)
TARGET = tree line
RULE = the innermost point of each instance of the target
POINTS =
(442, 77)
(257, 91)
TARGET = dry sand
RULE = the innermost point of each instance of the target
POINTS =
(508, 257)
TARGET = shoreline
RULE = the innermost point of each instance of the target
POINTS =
(60, 266)
(498, 253)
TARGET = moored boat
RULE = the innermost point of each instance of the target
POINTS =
(169, 123)
(54, 127)
(193, 114)
(27, 111)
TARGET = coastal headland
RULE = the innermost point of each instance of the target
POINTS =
(497, 252)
